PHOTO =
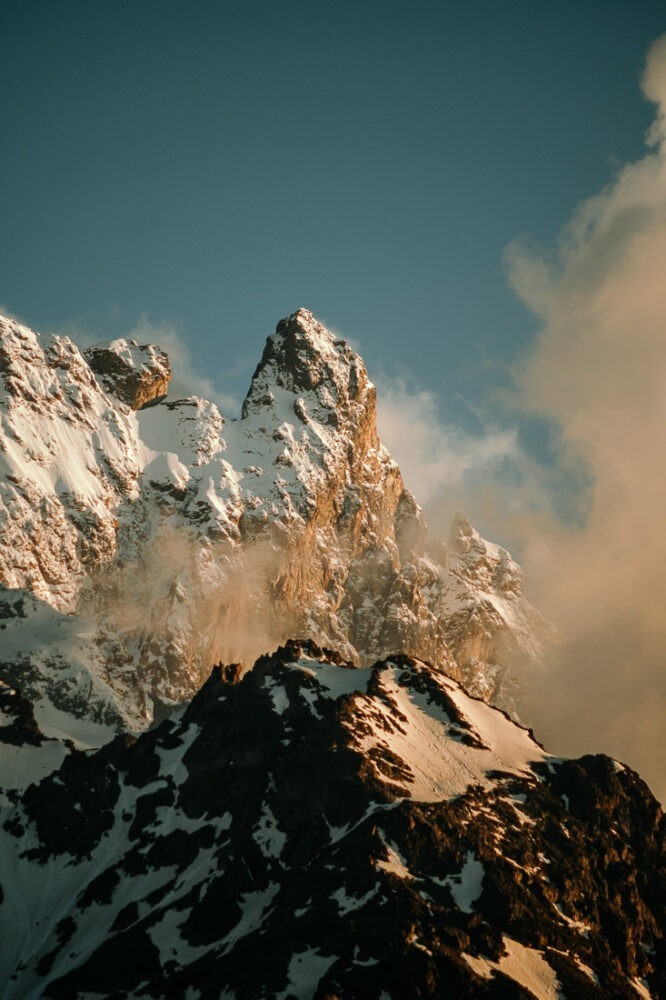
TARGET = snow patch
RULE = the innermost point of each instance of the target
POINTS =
(336, 680)
(347, 904)
(526, 966)
(21, 766)
(442, 767)
(466, 887)
(394, 862)
(306, 969)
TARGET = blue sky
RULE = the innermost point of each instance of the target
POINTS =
(214, 165)
(206, 168)
(199, 170)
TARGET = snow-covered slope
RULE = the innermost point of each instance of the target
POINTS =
(155, 538)
(69, 456)
(315, 830)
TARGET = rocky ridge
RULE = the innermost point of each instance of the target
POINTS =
(141, 545)
(313, 830)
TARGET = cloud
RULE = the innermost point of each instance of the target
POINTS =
(598, 369)
(440, 459)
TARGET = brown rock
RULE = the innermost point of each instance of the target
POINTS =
(138, 374)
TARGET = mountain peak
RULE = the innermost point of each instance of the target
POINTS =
(303, 319)
(304, 327)
(357, 819)
(304, 358)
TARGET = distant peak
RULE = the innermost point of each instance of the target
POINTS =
(304, 328)
(303, 357)
(302, 317)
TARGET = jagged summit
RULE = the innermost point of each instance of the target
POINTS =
(303, 356)
(154, 541)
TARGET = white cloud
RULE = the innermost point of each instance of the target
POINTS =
(597, 373)
(441, 463)
(598, 368)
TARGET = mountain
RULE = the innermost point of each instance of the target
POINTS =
(144, 538)
(179, 818)
(315, 830)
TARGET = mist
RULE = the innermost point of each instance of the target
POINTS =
(205, 602)
(444, 463)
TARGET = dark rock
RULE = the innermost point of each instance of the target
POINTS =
(23, 728)
(314, 856)
(138, 374)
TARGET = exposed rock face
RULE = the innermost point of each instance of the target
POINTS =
(180, 539)
(138, 374)
(319, 831)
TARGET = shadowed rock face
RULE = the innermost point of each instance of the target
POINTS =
(138, 374)
(312, 830)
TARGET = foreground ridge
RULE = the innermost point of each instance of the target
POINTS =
(314, 830)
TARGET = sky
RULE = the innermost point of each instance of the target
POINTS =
(473, 193)
(211, 166)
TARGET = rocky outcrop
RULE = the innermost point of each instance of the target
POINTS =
(138, 374)
(314, 830)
